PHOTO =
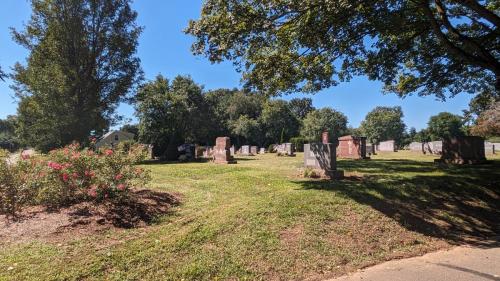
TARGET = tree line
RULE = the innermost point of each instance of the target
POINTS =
(83, 63)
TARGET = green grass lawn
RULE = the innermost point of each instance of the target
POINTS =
(259, 220)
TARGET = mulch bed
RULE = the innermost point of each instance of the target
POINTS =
(86, 218)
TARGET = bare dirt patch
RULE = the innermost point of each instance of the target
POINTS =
(82, 219)
(291, 236)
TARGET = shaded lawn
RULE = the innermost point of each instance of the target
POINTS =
(258, 220)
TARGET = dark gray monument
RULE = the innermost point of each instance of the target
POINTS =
(322, 157)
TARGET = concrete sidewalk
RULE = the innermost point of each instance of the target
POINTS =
(458, 264)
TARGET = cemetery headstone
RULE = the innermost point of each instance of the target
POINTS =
(231, 150)
(417, 147)
(387, 146)
(325, 138)
(186, 152)
(222, 154)
(352, 147)
(322, 157)
(289, 149)
(208, 152)
(286, 149)
(463, 150)
(490, 148)
(262, 150)
(150, 151)
(245, 150)
(254, 149)
(369, 149)
(433, 147)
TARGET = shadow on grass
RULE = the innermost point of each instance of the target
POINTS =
(201, 160)
(163, 162)
(461, 206)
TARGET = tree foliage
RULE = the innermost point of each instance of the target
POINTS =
(384, 123)
(2, 74)
(8, 135)
(278, 121)
(81, 64)
(248, 129)
(479, 104)
(131, 128)
(324, 119)
(425, 46)
(301, 107)
(177, 112)
(444, 125)
(171, 114)
(488, 123)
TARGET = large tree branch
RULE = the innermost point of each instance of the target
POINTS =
(450, 46)
(481, 10)
(468, 42)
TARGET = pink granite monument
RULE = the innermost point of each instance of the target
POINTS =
(222, 153)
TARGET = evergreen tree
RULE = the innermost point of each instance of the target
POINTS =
(81, 65)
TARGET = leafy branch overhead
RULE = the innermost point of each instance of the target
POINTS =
(428, 47)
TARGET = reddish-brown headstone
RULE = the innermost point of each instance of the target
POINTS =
(324, 138)
(222, 153)
(463, 150)
(352, 147)
(223, 142)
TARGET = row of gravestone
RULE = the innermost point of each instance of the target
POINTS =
(436, 147)
(318, 156)
(323, 156)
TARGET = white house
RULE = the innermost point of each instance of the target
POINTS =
(112, 138)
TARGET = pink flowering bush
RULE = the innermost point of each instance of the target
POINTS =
(72, 174)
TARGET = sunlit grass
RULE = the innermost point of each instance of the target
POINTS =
(258, 220)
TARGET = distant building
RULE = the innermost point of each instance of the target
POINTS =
(112, 138)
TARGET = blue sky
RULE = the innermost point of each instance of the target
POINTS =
(165, 49)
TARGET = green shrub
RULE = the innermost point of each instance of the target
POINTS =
(270, 148)
(298, 143)
(4, 153)
(310, 173)
(8, 189)
(71, 174)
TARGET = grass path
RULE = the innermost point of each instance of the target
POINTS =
(258, 220)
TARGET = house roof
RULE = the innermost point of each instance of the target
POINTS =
(110, 133)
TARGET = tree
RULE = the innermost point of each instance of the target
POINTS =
(8, 136)
(81, 65)
(171, 114)
(409, 136)
(131, 128)
(324, 119)
(384, 123)
(423, 46)
(423, 136)
(218, 103)
(301, 107)
(488, 123)
(247, 128)
(2, 74)
(444, 125)
(244, 103)
(278, 121)
(479, 104)
(354, 131)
